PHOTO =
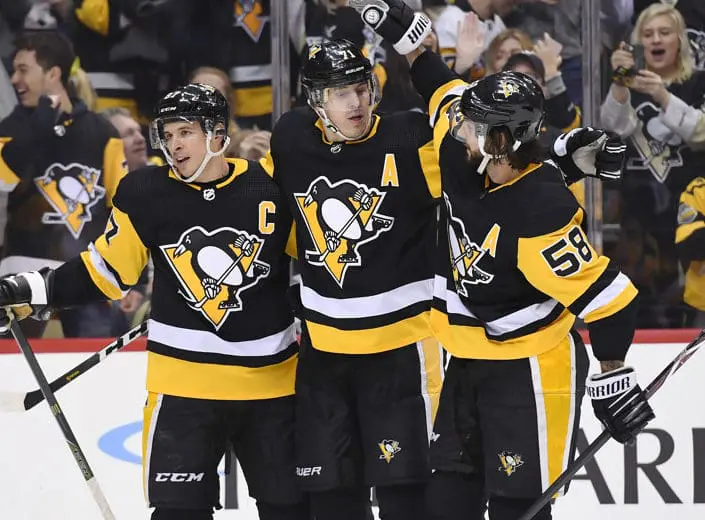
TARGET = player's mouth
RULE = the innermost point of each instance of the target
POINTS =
(180, 162)
(356, 119)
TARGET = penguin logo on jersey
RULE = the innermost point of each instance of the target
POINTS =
(71, 190)
(510, 462)
(248, 15)
(215, 268)
(340, 217)
(697, 47)
(465, 255)
(658, 146)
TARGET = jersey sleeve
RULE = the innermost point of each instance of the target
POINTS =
(563, 265)
(114, 167)
(690, 231)
(431, 168)
(116, 259)
(8, 178)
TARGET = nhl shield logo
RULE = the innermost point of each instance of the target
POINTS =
(465, 255)
(214, 268)
(340, 217)
(71, 190)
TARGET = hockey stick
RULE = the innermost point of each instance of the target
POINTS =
(18, 402)
(600, 441)
(76, 450)
(318, 258)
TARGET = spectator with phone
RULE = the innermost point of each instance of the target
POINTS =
(657, 105)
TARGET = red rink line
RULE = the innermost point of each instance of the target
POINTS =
(8, 346)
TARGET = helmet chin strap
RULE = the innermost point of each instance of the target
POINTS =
(209, 155)
(330, 126)
(486, 157)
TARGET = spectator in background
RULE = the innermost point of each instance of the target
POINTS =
(135, 147)
(62, 164)
(250, 60)
(690, 244)
(249, 144)
(450, 19)
(659, 108)
(693, 12)
(504, 45)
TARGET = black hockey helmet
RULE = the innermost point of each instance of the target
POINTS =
(194, 102)
(509, 99)
(334, 63)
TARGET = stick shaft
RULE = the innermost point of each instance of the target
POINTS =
(61, 420)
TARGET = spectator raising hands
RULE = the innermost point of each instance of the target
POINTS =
(549, 52)
(470, 43)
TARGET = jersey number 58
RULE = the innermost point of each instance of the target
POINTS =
(567, 255)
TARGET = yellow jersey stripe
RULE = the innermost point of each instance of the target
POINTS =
(172, 376)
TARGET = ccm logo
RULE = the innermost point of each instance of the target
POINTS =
(308, 472)
(179, 477)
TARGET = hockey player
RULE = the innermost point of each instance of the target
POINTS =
(515, 271)
(363, 191)
(222, 347)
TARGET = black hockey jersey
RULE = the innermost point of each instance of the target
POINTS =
(656, 149)
(365, 228)
(61, 185)
(515, 267)
(220, 326)
(690, 242)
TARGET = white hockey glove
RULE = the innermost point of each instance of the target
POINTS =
(394, 21)
(27, 294)
(589, 152)
(619, 403)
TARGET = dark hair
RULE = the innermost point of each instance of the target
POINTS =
(51, 49)
(499, 142)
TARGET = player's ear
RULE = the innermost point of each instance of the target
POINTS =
(219, 134)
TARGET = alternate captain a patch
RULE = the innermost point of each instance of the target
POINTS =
(214, 269)
(340, 217)
(71, 190)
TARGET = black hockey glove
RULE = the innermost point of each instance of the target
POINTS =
(394, 21)
(587, 152)
(619, 403)
(26, 294)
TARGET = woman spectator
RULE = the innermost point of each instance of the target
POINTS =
(658, 107)
(506, 43)
(247, 144)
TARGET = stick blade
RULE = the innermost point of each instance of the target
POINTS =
(12, 402)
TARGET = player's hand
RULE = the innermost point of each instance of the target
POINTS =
(7, 314)
(255, 145)
(619, 403)
(131, 301)
(32, 287)
(394, 21)
(589, 152)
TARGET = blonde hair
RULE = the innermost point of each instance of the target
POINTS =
(685, 58)
(82, 86)
(223, 76)
(508, 34)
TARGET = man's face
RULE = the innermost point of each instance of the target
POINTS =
(29, 79)
(133, 141)
(186, 144)
(349, 108)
